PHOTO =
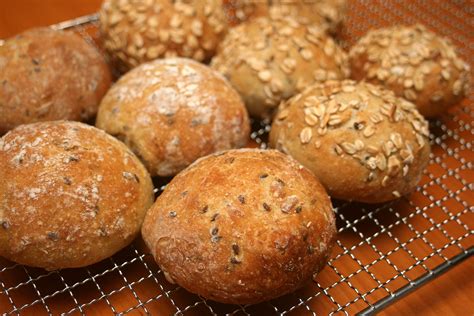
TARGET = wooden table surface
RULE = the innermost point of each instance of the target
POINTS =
(450, 294)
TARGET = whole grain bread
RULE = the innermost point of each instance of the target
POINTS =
(363, 143)
(50, 75)
(172, 111)
(70, 195)
(241, 226)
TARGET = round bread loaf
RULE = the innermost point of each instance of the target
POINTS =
(327, 14)
(415, 63)
(268, 60)
(49, 75)
(139, 31)
(241, 226)
(70, 195)
(172, 111)
(363, 143)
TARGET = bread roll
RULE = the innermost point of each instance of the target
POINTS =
(49, 75)
(363, 143)
(241, 226)
(327, 14)
(70, 195)
(268, 60)
(139, 31)
(172, 111)
(415, 63)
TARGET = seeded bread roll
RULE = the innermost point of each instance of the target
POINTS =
(415, 63)
(327, 14)
(363, 143)
(172, 111)
(70, 195)
(268, 60)
(241, 227)
(139, 31)
(49, 75)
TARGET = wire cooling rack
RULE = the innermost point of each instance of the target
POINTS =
(382, 252)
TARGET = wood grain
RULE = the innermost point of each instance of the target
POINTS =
(450, 294)
(19, 15)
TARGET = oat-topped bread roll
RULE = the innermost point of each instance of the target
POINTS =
(270, 59)
(172, 111)
(415, 63)
(49, 75)
(139, 31)
(327, 14)
(241, 227)
(363, 143)
(70, 195)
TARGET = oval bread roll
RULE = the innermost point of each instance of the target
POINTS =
(48, 75)
(363, 143)
(415, 63)
(241, 226)
(139, 31)
(269, 59)
(172, 111)
(70, 195)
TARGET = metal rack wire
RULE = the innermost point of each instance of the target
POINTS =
(383, 252)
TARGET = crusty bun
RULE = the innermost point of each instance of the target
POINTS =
(362, 142)
(172, 111)
(328, 14)
(415, 63)
(268, 60)
(241, 226)
(70, 195)
(49, 75)
(139, 31)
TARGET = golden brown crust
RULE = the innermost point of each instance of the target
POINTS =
(70, 195)
(139, 31)
(49, 75)
(241, 226)
(268, 60)
(173, 111)
(415, 63)
(328, 14)
(362, 142)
